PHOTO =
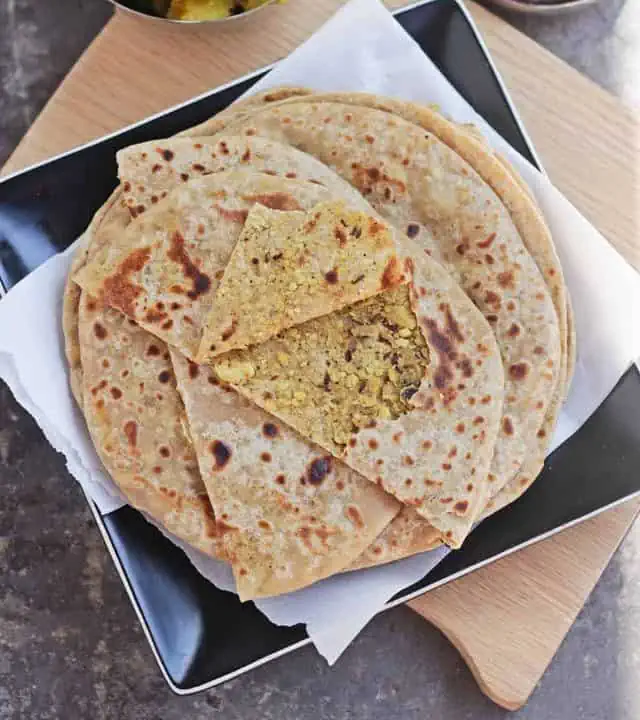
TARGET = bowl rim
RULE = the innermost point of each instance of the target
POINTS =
(176, 21)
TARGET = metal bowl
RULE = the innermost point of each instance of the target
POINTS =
(153, 9)
(542, 7)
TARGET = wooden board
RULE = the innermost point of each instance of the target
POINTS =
(507, 619)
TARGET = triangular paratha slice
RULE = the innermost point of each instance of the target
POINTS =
(406, 387)
(289, 513)
(289, 267)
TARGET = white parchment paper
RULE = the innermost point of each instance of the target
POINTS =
(360, 48)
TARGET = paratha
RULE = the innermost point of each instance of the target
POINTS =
(136, 421)
(290, 513)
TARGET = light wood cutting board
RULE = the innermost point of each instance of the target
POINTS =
(509, 618)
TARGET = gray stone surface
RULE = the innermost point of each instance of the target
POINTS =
(70, 645)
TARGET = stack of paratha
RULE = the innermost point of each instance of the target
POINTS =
(318, 333)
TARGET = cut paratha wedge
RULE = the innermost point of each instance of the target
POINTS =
(288, 267)
(406, 387)
(290, 514)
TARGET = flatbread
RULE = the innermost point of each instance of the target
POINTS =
(419, 184)
(406, 388)
(408, 534)
(290, 514)
(109, 218)
(163, 271)
(289, 267)
(150, 170)
(240, 108)
(136, 421)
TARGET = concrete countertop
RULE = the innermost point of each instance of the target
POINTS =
(70, 645)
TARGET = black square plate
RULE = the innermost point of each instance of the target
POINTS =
(200, 635)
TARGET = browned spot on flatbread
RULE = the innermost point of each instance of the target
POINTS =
(354, 515)
(221, 454)
(460, 508)
(487, 242)
(275, 200)
(194, 370)
(493, 299)
(226, 334)
(154, 316)
(466, 368)
(518, 371)
(505, 279)
(119, 291)
(131, 432)
(319, 469)
(99, 330)
(413, 229)
(270, 430)
(444, 342)
(100, 386)
(168, 155)
(392, 274)
(232, 214)
(366, 179)
(200, 282)
(331, 277)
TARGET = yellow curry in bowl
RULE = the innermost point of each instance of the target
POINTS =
(210, 9)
